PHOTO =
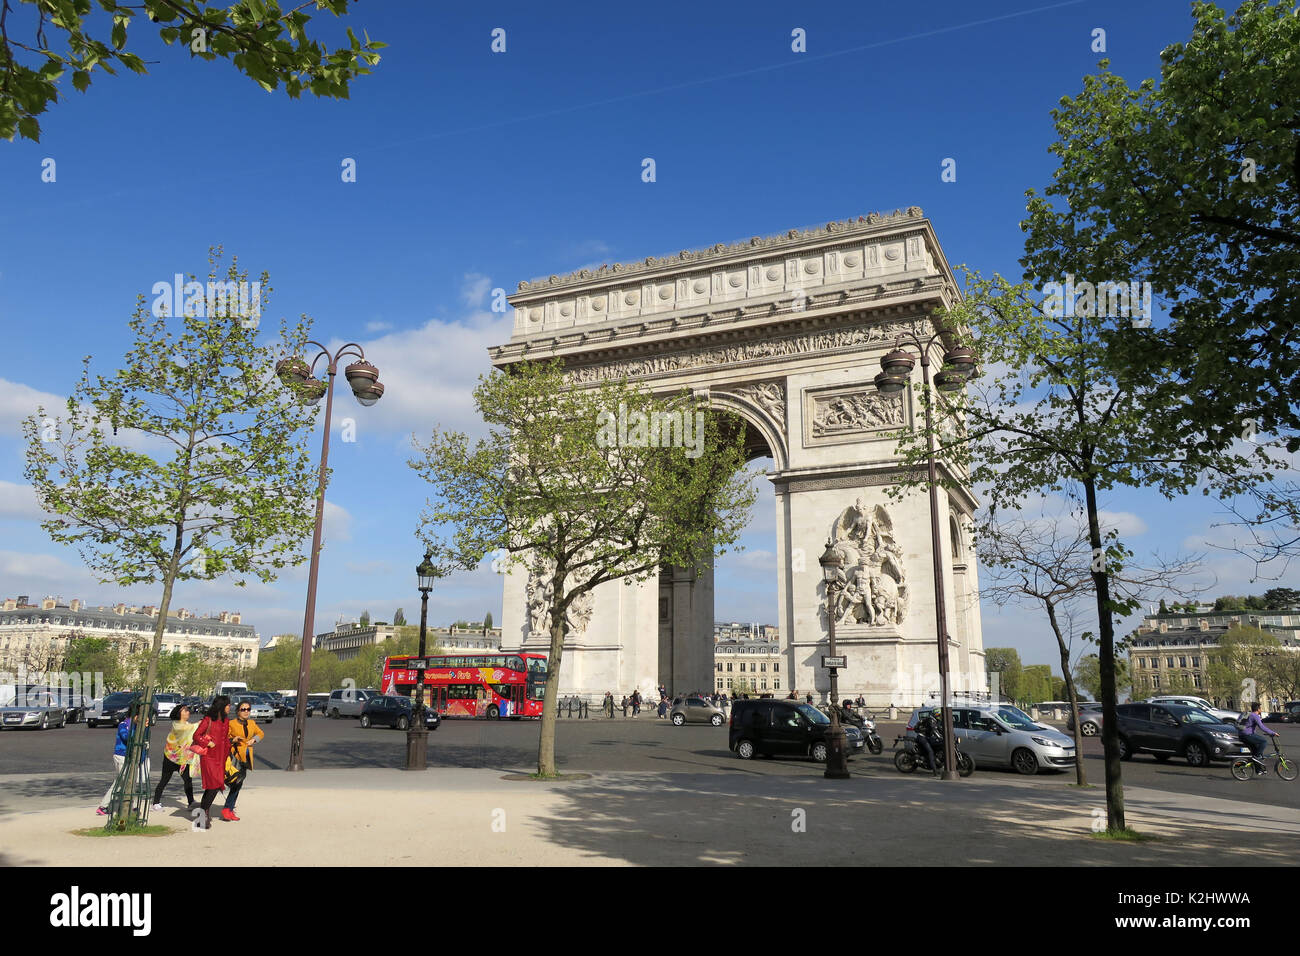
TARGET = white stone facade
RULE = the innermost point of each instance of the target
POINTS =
(786, 332)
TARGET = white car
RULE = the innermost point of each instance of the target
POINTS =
(164, 704)
(262, 712)
(1227, 716)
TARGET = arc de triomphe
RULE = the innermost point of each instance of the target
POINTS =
(787, 333)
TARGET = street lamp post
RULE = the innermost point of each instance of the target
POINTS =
(897, 367)
(837, 765)
(417, 734)
(296, 375)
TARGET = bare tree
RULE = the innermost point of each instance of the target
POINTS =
(1048, 561)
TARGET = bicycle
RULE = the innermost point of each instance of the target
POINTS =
(1244, 767)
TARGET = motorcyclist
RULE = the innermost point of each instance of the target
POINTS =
(849, 716)
(929, 736)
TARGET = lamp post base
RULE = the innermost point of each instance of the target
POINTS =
(837, 765)
(417, 746)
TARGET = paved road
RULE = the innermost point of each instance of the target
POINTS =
(73, 764)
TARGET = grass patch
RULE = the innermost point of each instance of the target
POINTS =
(153, 830)
(1125, 836)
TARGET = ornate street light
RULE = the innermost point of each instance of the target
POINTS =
(897, 368)
(837, 766)
(296, 375)
(417, 734)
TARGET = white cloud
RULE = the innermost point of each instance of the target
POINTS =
(19, 501)
(378, 326)
(474, 289)
(337, 525)
(17, 401)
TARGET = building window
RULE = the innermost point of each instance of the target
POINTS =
(776, 668)
(719, 683)
(1182, 662)
(719, 668)
(742, 667)
(764, 684)
(1155, 682)
(1155, 663)
(1196, 680)
(763, 668)
(776, 684)
(728, 668)
(1169, 662)
(1196, 662)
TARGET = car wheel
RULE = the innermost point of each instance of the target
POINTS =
(365, 721)
(716, 720)
(45, 721)
(492, 712)
(1196, 754)
(1125, 751)
(679, 719)
(819, 752)
(91, 724)
(1089, 729)
(1025, 762)
(334, 714)
(402, 723)
(745, 750)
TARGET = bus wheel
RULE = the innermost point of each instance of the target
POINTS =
(492, 712)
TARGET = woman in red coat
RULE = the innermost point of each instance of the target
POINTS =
(212, 741)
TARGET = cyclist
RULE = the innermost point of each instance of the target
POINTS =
(1252, 732)
(929, 735)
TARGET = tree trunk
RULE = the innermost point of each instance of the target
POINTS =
(1080, 776)
(1106, 630)
(550, 700)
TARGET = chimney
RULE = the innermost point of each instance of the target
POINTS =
(1164, 626)
(224, 617)
(183, 614)
(234, 618)
(10, 604)
(150, 610)
(119, 609)
(48, 604)
(74, 604)
(22, 600)
(1203, 624)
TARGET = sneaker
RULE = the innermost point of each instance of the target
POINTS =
(228, 815)
(157, 806)
(101, 811)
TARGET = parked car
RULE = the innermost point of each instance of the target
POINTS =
(1289, 713)
(696, 710)
(163, 704)
(111, 709)
(1001, 735)
(276, 700)
(1167, 730)
(317, 703)
(260, 710)
(395, 711)
(768, 728)
(1227, 716)
(348, 701)
(38, 712)
(1089, 718)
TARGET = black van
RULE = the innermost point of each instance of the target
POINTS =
(772, 727)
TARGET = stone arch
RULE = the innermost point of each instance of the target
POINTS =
(772, 432)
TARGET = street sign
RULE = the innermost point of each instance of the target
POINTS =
(834, 661)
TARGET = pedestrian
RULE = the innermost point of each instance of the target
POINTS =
(244, 732)
(624, 705)
(810, 697)
(636, 703)
(792, 695)
(663, 707)
(212, 740)
(179, 757)
(119, 759)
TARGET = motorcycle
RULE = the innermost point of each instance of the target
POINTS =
(864, 723)
(908, 757)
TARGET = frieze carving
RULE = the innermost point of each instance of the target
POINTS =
(870, 584)
(869, 221)
(540, 592)
(801, 343)
(856, 411)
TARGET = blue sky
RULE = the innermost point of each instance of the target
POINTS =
(476, 170)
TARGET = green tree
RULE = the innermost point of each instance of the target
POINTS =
(1237, 669)
(96, 655)
(1281, 599)
(1163, 608)
(1192, 184)
(551, 490)
(365, 618)
(266, 43)
(1087, 674)
(1005, 662)
(1048, 416)
(487, 621)
(231, 489)
(399, 617)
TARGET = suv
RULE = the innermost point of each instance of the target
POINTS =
(696, 710)
(770, 727)
(1165, 730)
(394, 711)
(348, 701)
(1182, 700)
(1089, 718)
(1000, 735)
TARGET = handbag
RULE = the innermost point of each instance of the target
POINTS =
(236, 769)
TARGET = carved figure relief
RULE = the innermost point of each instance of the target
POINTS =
(769, 396)
(856, 411)
(540, 594)
(871, 587)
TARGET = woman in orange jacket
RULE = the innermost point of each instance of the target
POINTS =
(244, 732)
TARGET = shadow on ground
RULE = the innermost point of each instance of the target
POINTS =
(684, 819)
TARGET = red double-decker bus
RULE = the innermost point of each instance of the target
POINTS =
(474, 685)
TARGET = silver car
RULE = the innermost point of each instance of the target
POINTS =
(1000, 735)
(696, 710)
(260, 710)
(39, 714)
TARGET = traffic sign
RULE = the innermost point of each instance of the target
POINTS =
(834, 661)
